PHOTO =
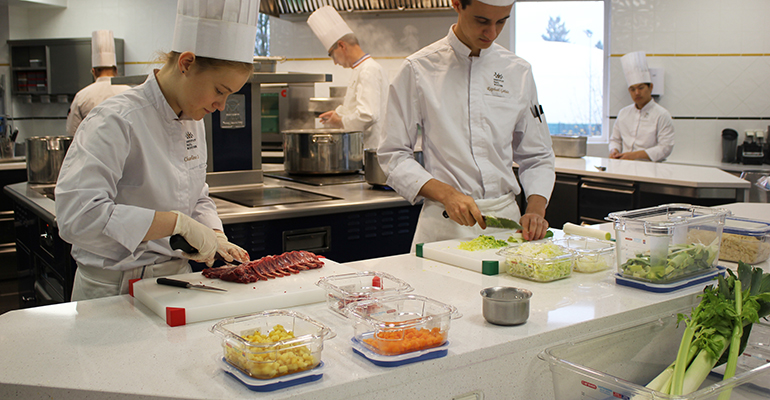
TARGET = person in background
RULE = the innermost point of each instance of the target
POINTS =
(104, 66)
(364, 105)
(135, 173)
(644, 130)
(477, 105)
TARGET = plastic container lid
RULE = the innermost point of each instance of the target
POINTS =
(746, 227)
(664, 219)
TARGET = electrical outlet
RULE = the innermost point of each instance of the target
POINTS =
(475, 395)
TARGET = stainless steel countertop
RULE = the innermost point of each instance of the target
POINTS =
(352, 197)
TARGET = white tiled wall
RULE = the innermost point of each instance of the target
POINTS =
(716, 56)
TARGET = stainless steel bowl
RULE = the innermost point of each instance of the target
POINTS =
(505, 305)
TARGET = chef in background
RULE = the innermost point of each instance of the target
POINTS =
(644, 130)
(135, 173)
(477, 105)
(364, 105)
(104, 66)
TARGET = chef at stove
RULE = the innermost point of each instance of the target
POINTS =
(477, 105)
(644, 130)
(363, 108)
(136, 171)
(104, 66)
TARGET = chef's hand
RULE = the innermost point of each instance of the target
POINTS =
(615, 153)
(331, 118)
(198, 235)
(229, 251)
(533, 221)
(459, 207)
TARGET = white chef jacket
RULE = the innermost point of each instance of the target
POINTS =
(132, 156)
(88, 98)
(650, 129)
(477, 120)
(365, 101)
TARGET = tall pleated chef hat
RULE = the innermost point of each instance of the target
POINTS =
(328, 26)
(103, 49)
(635, 68)
(221, 29)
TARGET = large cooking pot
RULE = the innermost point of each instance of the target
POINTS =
(45, 155)
(322, 151)
(372, 170)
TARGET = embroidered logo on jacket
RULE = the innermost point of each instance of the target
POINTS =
(191, 141)
(498, 86)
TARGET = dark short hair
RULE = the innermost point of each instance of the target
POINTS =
(465, 3)
(205, 63)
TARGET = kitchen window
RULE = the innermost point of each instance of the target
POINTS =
(262, 43)
(566, 44)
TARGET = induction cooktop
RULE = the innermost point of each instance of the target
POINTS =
(270, 196)
(318, 180)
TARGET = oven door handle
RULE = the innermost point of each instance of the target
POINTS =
(606, 189)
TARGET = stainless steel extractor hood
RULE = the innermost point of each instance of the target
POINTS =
(298, 9)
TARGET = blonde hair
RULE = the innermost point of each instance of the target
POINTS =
(206, 63)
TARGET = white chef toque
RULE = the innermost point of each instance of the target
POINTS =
(328, 26)
(103, 49)
(497, 3)
(221, 29)
(635, 68)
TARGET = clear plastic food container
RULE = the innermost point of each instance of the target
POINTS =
(273, 343)
(620, 364)
(401, 324)
(667, 243)
(591, 255)
(344, 289)
(540, 261)
(745, 240)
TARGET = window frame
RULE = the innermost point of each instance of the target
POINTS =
(605, 136)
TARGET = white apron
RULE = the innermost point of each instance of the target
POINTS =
(92, 282)
(433, 227)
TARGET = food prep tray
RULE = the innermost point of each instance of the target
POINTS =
(269, 385)
(401, 359)
(618, 365)
(538, 261)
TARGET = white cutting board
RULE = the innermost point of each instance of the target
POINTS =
(179, 306)
(446, 251)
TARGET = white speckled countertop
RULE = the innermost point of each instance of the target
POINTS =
(650, 172)
(116, 348)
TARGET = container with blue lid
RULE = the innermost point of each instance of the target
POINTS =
(746, 240)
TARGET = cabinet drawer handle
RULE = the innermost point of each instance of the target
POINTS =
(606, 189)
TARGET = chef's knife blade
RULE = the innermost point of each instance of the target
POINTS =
(505, 223)
(178, 242)
(496, 222)
(186, 285)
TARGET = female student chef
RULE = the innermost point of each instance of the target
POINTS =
(136, 171)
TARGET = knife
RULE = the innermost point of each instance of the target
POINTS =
(496, 222)
(178, 242)
(187, 285)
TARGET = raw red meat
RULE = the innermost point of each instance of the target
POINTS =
(268, 267)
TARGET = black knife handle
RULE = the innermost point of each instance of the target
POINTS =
(445, 214)
(172, 282)
(178, 242)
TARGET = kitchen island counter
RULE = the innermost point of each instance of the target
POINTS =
(117, 348)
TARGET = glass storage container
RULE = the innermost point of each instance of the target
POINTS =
(344, 289)
(667, 243)
(591, 255)
(273, 343)
(539, 261)
(401, 324)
